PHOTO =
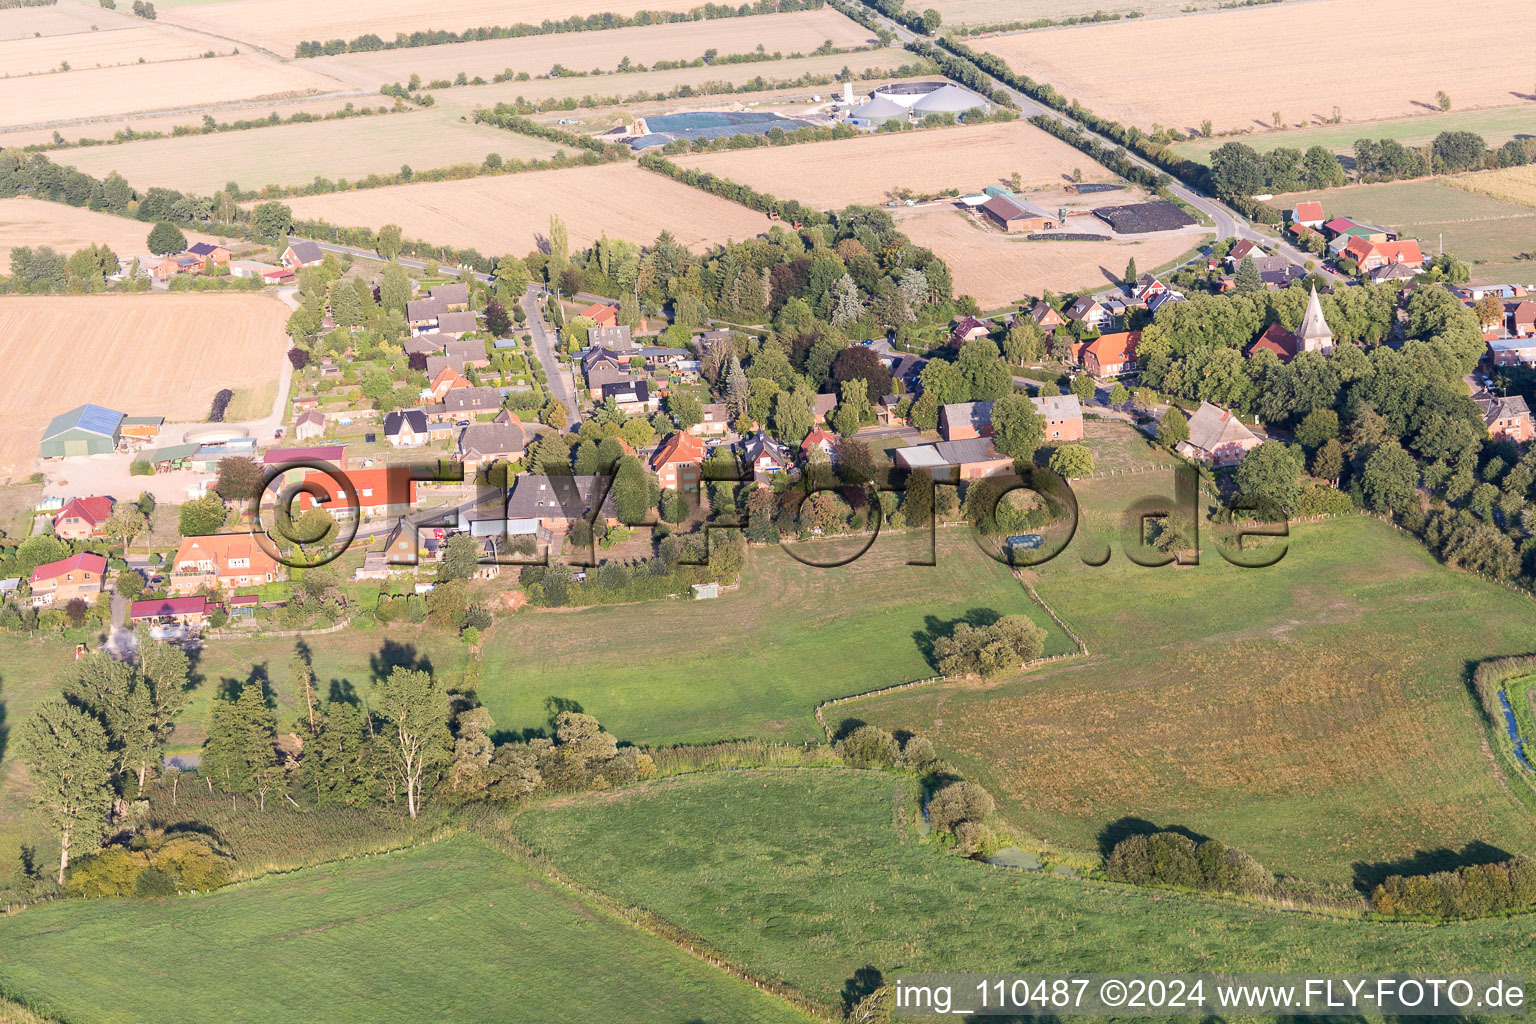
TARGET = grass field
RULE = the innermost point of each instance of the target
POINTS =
(34, 222)
(1480, 229)
(1511, 185)
(280, 25)
(135, 88)
(812, 876)
(153, 43)
(1221, 66)
(1497, 125)
(756, 661)
(831, 175)
(1249, 705)
(141, 354)
(448, 931)
(998, 269)
(511, 213)
(297, 153)
(799, 32)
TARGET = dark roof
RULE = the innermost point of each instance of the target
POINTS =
(1136, 218)
(465, 350)
(471, 400)
(394, 422)
(457, 323)
(307, 252)
(425, 344)
(760, 443)
(452, 294)
(558, 497)
(627, 391)
(436, 365)
(974, 449)
(425, 309)
(203, 248)
(604, 337)
(492, 438)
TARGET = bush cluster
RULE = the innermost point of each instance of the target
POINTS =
(1174, 860)
(1477, 890)
(960, 809)
(152, 865)
(985, 650)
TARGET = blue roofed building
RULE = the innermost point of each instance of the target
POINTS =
(87, 430)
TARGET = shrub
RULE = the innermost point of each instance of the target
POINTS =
(1171, 859)
(985, 650)
(868, 746)
(957, 802)
(139, 467)
(1476, 890)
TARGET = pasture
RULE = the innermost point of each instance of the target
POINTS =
(448, 930)
(799, 32)
(1497, 125)
(34, 222)
(756, 661)
(280, 25)
(1221, 66)
(294, 154)
(831, 175)
(1248, 704)
(157, 354)
(510, 213)
(152, 43)
(34, 100)
(1486, 232)
(997, 269)
(812, 876)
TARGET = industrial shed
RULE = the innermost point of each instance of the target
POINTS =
(87, 430)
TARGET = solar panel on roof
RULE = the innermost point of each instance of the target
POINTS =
(98, 420)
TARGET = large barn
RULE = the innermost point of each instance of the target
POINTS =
(88, 430)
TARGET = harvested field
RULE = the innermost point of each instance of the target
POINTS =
(135, 88)
(1416, 47)
(59, 19)
(997, 269)
(154, 43)
(1485, 231)
(1511, 185)
(103, 129)
(468, 98)
(801, 32)
(280, 25)
(511, 213)
(831, 175)
(978, 13)
(140, 354)
(297, 153)
(26, 221)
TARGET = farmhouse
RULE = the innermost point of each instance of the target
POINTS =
(1110, 355)
(1217, 437)
(1063, 416)
(484, 443)
(1369, 255)
(221, 561)
(555, 502)
(1012, 213)
(974, 458)
(85, 430)
(60, 582)
(82, 518)
(388, 491)
(678, 461)
(966, 329)
(302, 254)
(1307, 214)
(962, 420)
(210, 253)
(1507, 419)
(170, 611)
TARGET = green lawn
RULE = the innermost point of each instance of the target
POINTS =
(756, 661)
(811, 876)
(447, 931)
(1314, 713)
(1497, 125)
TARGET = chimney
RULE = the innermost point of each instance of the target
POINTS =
(847, 92)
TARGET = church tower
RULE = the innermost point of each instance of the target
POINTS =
(1314, 334)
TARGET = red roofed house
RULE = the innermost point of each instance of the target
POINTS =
(82, 518)
(1275, 339)
(221, 561)
(1309, 214)
(336, 454)
(1045, 315)
(678, 461)
(967, 328)
(447, 379)
(819, 438)
(182, 611)
(1369, 256)
(1243, 247)
(1522, 319)
(62, 581)
(602, 314)
(382, 491)
(1110, 355)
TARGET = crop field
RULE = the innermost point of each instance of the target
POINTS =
(799, 32)
(280, 25)
(27, 221)
(141, 354)
(1511, 185)
(510, 213)
(56, 19)
(1244, 704)
(811, 876)
(1497, 125)
(997, 269)
(831, 175)
(1477, 228)
(103, 128)
(980, 13)
(1221, 66)
(404, 922)
(153, 43)
(296, 153)
(756, 661)
(136, 88)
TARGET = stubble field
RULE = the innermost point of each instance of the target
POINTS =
(35, 222)
(103, 128)
(146, 355)
(151, 42)
(997, 269)
(294, 154)
(831, 175)
(56, 19)
(1224, 66)
(280, 25)
(1511, 185)
(510, 213)
(979, 13)
(799, 32)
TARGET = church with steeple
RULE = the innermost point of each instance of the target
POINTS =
(1314, 334)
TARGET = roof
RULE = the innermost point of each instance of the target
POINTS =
(167, 606)
(1307, 211)
(557, 497)
(1212, 426)
(1511, 344)
(972, 449)
(627, 391)
(1113, 348)
(1008, 208)
(678, 447)
(93, 419)
(1505, 408)
(1278, 340)
(457, 323)
(1058, 407)
(922, 456)
(1136, 218)
(452, 294)
(396, 422)
(599, 311)
(426, 344)
(817, 438)
(977, 414)
(95, 509)
(220, 548)
(465, 350)
(1339, 225)
(85, 561)
(320, 453)
(312, 416)
(171, 453)
(381, 485)
(1313, 324)
(425, 309)
(967, 324)
(471, 399)
(205, 248)
(880, 108)
(603, 337)
(307, 252)
(949, 98)
(760, 444)
(603, 375)
(492, 438)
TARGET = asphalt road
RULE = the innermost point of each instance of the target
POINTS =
(544, 341)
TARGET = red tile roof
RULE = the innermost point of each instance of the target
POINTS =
(168, 606)
(321, 453)
(1109, 349)
(86, 561)
(678, 447)
(382, 485)
(1307, 211)
(94, 510)
(1278, 340)
(816, 438)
